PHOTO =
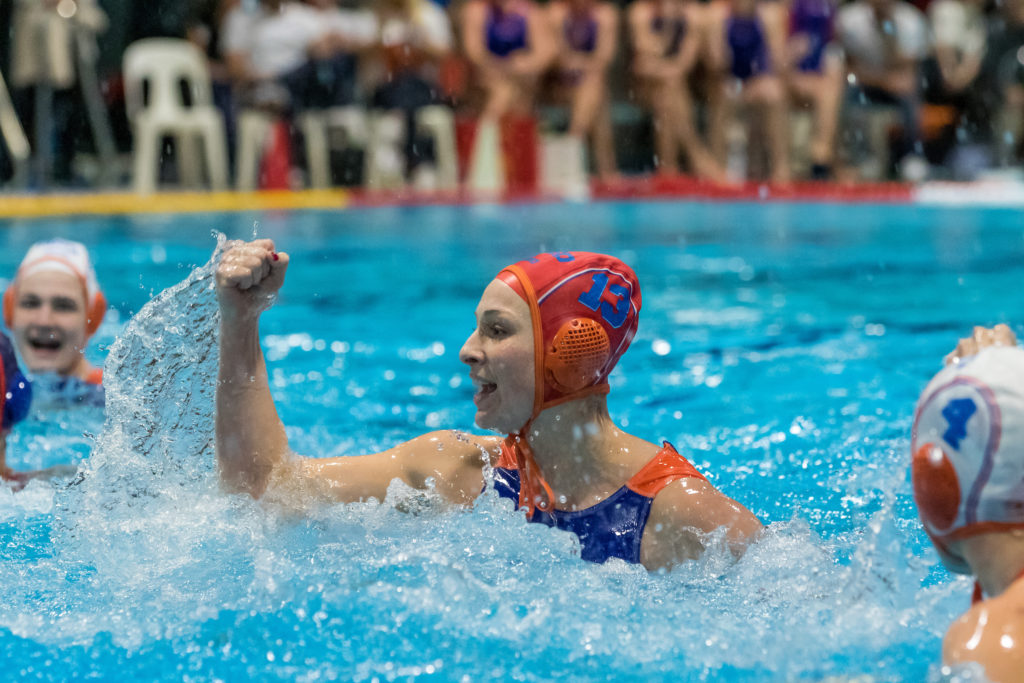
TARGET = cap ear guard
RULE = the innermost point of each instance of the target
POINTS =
(94, 313)
(936, 487)
(577, 355)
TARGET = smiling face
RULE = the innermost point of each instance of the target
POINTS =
(48, 321)
(499, 354)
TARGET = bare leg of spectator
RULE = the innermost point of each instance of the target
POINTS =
(591, 116)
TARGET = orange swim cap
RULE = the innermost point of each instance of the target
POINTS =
(585, 309)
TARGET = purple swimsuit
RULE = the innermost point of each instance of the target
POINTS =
(672, 27)
(506, 31)
(745, 37)
(581, 32)
(814, 19)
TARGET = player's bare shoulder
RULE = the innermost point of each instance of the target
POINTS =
(982, 634)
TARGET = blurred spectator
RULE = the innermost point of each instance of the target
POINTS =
(958, 29)
(44, 73)
(203, 28)
(1001, 82)
(586, 37)
(885, 42)
(289, 56)
(815, 75)
(747, 44)
(509, 44)
(666, 37)
(958, 34)
(415, 36)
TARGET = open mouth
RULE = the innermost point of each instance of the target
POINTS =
(483, 389)
(45, 340)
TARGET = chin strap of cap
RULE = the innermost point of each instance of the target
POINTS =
(534, 491)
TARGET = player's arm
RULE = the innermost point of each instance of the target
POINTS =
(685, 511)
(448, 462)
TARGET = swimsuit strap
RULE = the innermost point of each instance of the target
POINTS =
(534, 491)
(95, 376)
(663, 469)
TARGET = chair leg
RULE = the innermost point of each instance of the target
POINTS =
(253, 133)
(564, 167)
(314, 131)
(190, 172)
(215, 147)
(486, 165)
(439, 122)
(386, 167)
(144, 166)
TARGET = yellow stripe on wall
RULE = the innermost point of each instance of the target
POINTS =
(35, 206)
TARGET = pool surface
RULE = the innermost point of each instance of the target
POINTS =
(781, 347)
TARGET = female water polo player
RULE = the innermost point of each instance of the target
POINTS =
(968, 474)
(548, 332)
(52, 307)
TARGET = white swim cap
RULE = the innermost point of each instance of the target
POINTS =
(64, 256)
(968, 450)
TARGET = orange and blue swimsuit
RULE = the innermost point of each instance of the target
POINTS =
(615, 526)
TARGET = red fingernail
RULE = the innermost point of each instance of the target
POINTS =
(274, 254)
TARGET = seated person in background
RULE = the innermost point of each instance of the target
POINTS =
(949, 126)
(815, 75)
(667, 38)
(289, 56)
(968, 469)
(61, 30)
(509, 44)
(586, 34)
(958, 30)
(52, 307)
(203, 28)
(15, 401)
(1000, 90)
(548, 332)
(747, 48)
(885, 42)
(415, 36)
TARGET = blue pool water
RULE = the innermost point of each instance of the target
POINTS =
(781, 347)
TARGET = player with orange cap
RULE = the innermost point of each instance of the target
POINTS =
(549, 331)
(968, 476)
(52, 307)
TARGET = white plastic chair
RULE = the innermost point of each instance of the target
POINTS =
(317, 127)
(166, 63)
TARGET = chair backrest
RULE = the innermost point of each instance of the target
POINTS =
(170, 66)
